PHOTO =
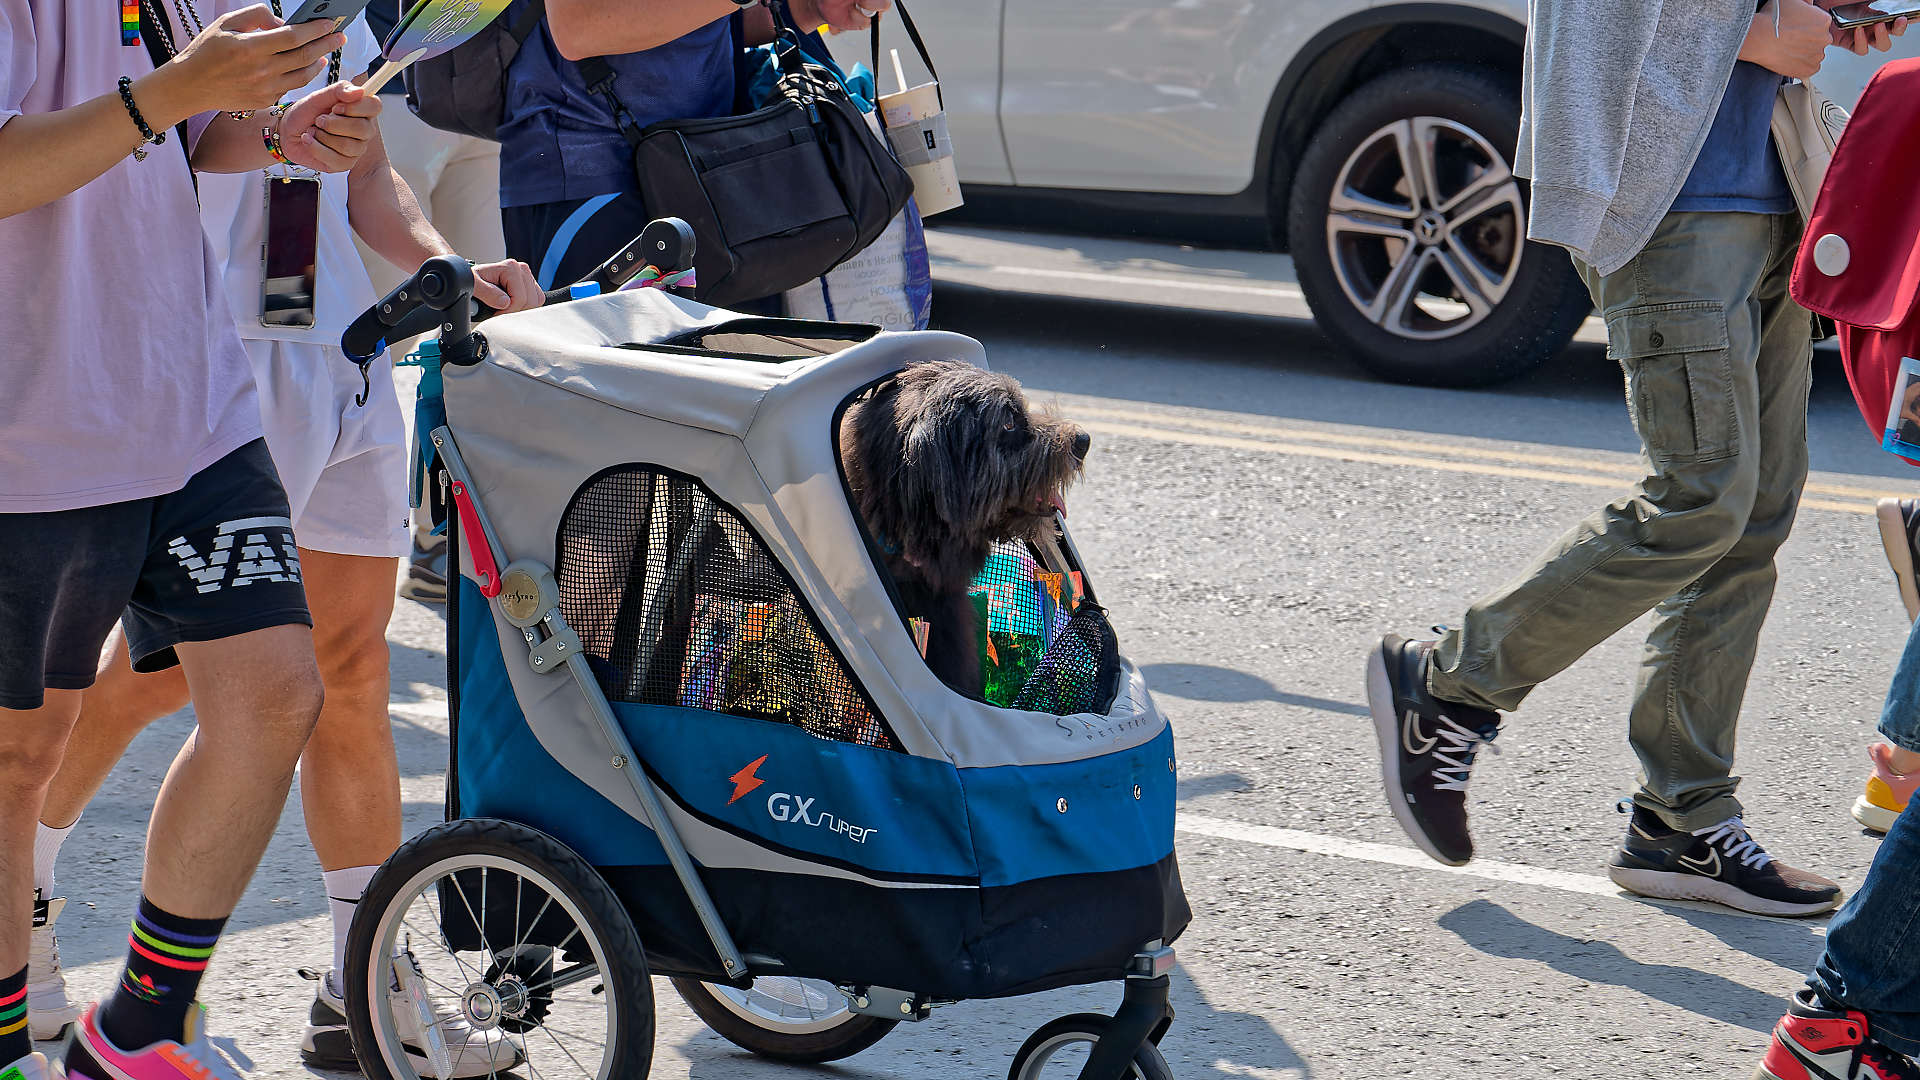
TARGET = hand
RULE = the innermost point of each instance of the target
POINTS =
(1878, 36)
(329, 129)
(838, 15)
(247, 59)
(1801, 46)
(507, 286)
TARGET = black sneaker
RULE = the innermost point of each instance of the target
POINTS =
(1721, 865)
(1427, 748)
(326, 1044)
(1816, 1042)
(1900, 536)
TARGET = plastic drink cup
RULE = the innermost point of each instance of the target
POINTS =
(917, 127)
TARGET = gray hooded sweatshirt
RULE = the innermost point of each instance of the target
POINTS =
(1617, 100)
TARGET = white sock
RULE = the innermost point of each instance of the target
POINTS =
(344, 888)
(46, 849)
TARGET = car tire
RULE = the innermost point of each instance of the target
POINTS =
(1441, 289)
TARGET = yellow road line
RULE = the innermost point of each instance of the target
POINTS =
(1275, 446)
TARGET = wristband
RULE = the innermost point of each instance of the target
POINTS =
(147, 134)
(271, 137)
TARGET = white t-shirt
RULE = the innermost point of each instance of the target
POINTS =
(233, 209)
(120, 373)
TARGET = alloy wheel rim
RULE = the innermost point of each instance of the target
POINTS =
(1426, 228)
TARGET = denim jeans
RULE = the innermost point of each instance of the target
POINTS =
(1900, 715)
(1872, 959)
(1718, 362)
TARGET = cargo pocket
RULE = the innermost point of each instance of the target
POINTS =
(1679, 379)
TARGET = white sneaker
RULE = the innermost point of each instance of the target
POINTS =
(49, 1012)
(34, 1066)
(475, 1052)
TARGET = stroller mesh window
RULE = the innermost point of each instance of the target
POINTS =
(677, 602)
(1044, 645)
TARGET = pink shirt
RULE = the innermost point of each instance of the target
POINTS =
(121, 374)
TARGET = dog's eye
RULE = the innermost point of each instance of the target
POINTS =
(1008, 427)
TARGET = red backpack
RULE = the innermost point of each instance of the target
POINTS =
(1859, 262)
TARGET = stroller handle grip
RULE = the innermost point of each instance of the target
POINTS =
(441, 295)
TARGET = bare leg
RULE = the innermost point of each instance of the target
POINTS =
(349, 778)
(257, 696)
(119, 706)
(29, 755)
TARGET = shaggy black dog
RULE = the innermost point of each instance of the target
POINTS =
(944, 460)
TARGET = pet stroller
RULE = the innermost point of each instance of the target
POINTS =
(693, 735)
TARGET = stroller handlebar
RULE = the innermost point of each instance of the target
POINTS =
(440, 295)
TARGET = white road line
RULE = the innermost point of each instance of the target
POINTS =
(1485, 869)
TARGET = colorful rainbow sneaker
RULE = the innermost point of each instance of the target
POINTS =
(34, 1066)
(1887, 792)
(92, 1057)
(1813, 1042)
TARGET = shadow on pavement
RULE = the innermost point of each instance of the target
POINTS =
(1494, 930)
(1205, 682)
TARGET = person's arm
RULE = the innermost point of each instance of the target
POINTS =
(1799, 47)
(245, 59)
(326, 131)
(388, 219)
(583, 28)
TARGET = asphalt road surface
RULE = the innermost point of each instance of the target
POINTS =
(1257, 512)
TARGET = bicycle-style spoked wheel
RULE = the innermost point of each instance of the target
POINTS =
(485, 948)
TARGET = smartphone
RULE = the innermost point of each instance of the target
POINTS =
(1848, 16)
(291, 251)
(340, 11)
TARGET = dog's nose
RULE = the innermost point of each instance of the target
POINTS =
(1081, 444)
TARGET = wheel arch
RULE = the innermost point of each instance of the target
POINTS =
(1357, 49)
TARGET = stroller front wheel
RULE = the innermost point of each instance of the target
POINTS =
(483, 945)
(1060, 1048)
(804, 1021)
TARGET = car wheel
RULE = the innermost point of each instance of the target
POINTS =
(1408, 231)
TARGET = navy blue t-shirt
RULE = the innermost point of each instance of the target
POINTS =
(558, 140)
(1739, 170)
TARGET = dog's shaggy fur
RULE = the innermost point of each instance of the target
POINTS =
(945, 460)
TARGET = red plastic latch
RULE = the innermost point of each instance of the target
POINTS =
(476, 539)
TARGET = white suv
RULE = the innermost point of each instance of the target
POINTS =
(1372, 141)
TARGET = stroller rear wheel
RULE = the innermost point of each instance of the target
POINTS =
(1060, 1048)
(787, 1019)
(483, 945)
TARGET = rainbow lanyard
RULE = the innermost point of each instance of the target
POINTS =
(129, 22)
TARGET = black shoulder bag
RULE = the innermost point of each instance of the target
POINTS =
(776, 197)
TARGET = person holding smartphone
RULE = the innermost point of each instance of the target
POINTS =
(283, 240)
(130, 451)
(1647, 137)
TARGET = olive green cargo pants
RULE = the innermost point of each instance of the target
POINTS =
(1718, 362)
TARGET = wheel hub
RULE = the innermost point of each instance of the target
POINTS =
(482, 1006)
(513, 995)
(1430, 229)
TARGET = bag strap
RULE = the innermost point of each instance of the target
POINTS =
(600, 79)
(154, 36)
(913, 34)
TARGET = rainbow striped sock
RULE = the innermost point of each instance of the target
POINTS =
(166, 956)
(15, 1041)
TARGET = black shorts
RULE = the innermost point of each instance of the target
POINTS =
(212, 560)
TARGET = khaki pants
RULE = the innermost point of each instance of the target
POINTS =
(1718, 362)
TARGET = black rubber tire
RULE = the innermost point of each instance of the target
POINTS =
(1547, 300)
(631, 1049)
(843, 1040)
(1148, 1064)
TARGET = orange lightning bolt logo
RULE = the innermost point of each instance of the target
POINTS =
(744, 781)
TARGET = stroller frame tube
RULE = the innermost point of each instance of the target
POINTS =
(623, 753)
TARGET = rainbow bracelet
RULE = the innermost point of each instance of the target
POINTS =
(270, 135)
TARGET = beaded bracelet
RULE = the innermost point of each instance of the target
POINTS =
(147, 134)
(270, 135)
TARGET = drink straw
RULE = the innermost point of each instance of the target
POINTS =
(899, 72)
